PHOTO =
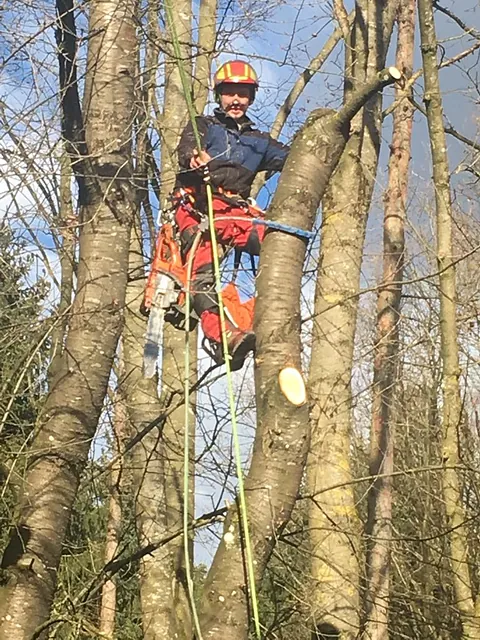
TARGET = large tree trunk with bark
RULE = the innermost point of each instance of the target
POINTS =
(141, 395)
(175, 113)
(175, 117)
(62, 440)
(452, 404)
(173, 461)
(143, 406)
(379, 526)
(280, 445)
(335, 530)
(158, 460)
(207, 33)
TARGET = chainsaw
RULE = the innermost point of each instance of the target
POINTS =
(164, 295)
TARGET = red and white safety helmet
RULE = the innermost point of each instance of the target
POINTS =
(236, 72)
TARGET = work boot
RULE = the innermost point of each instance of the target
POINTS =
(240, 343)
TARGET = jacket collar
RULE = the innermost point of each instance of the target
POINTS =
(243, 124)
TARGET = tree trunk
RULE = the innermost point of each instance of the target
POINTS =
(281, 438)
(335, 529)
(175, 117)
(143, 407)
(158, 465)
(207, 33)
(173, 456)
(452, 405)
(74, 403)
(175, 113)
(108, 605)
(386, 346)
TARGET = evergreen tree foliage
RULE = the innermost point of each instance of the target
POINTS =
(77, 602)
(23, 361)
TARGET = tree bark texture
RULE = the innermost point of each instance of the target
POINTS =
(74, 403)
(386, 344)
(108, 604)
(143, 407)
(175, 114)
(156, 575)
(207, 35)
(173, 376)
(145, 165)
(335, 529)
(157, 472)
(452, 405)
(175, 117)
(280, 445)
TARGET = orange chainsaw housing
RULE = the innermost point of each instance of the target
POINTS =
(168, 260)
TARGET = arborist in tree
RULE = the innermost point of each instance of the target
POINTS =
(234, 152)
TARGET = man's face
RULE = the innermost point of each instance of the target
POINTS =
(235, 99)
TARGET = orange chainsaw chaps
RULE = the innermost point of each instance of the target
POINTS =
(167, 260)
(241, 312)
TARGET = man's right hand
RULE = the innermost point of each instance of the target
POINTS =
(199, 159)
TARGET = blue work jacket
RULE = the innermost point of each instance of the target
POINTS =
(239, 151)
